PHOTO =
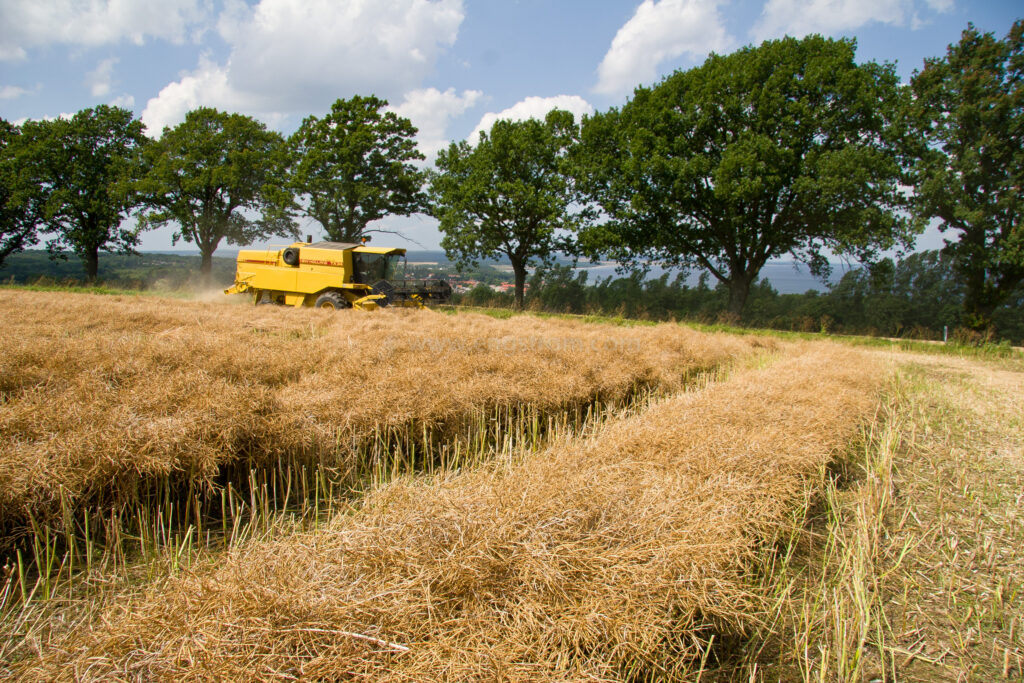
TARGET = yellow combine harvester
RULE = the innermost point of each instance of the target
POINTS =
(333, 275)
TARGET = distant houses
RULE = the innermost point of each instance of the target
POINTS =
(463, 286)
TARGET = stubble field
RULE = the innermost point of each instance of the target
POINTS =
(207, 491)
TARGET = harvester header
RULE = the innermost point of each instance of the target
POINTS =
(333, 275)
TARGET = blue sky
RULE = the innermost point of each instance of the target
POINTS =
(452, 66)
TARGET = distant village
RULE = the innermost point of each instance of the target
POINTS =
(463, 286)
(497, 277)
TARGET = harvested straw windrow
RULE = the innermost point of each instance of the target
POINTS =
(610, 557)
(102, 395)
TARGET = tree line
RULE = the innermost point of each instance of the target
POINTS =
(786, 148)
(215, 177)
(917, 297)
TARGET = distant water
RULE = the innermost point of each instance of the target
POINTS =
(786, 277)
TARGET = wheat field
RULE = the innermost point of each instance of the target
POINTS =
(198, 490)
(104, 395)
(610, 556)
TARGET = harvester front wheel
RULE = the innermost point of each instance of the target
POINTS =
(331, 300)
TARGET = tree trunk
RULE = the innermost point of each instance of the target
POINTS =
(519, 270)
(342, 230)
(978, 311)
(91, 261)
(206, 268)
(978, 304)
(739, 290)
(344, 234)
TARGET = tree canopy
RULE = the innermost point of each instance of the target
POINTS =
(789, 148)
(79, 167)
(508, 194)
(785, 148)
(208, 176)
(970, 109)
(19, 197)
(354, 166)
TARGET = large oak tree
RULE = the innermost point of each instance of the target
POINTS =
(970, 107)
(211, 176)
(79, 167)
(785, 148)
(508, 195)
(354, 166)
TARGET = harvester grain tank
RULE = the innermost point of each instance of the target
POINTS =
(333, 275)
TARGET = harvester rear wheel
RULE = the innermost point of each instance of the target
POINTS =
(332, 300)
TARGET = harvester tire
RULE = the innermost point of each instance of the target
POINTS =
(290, 256)
(332, 300)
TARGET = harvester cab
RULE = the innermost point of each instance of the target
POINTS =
(333, 275)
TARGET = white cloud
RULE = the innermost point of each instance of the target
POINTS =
(207, 85)
(430, 110)
(35, 23)
(11, 92)
(658, 32)
(799, 18)
(100, 79)
(532, 108)
(123, 101)
(67, 116)
(298, 56)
